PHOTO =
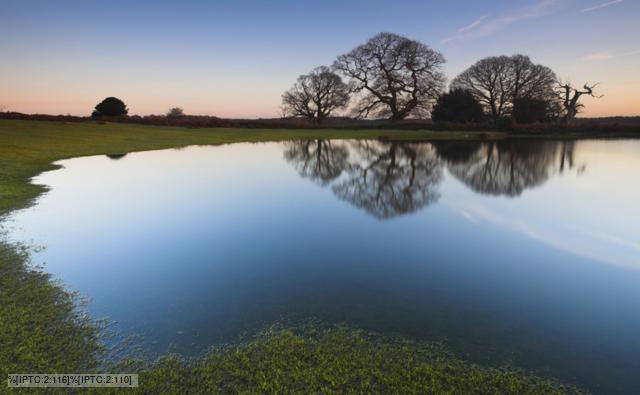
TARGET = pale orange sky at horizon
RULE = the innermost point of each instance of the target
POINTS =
(617, 101)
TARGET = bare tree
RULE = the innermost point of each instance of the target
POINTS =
(500, 81)
(487, 81)
(570, 98)
(315, 95)
(531, 81)
(3, 108)
(394, 76)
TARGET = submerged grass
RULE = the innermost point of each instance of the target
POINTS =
(334, 360)
(43, 329)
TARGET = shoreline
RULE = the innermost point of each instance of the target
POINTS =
(28, 148)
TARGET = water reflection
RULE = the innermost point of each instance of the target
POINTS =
(319, 160)
(507, 168)
(388, 179)
(116, 156)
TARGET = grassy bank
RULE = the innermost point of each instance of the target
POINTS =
(43, 329)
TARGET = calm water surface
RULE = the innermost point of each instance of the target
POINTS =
(523, 252)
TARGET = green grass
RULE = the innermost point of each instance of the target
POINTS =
(43, 328)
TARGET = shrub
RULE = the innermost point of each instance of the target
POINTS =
(528, 110)
(459, 105)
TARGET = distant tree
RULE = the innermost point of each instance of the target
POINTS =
(498, 82)
(112, 107)
(394, 76)
(570, 99)
(530, 110)
(458, 105)
(315, 95)
(175, 112)
(3, 108)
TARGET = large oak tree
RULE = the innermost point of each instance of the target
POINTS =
(394, 77)
(498, 82)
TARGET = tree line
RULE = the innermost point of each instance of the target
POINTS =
(394, 77)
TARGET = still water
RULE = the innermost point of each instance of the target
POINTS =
(518, 252)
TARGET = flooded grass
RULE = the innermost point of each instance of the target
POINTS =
(334, 360)
(42, 326)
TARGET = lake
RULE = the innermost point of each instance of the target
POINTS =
(519, 252)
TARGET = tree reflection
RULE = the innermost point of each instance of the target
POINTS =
(116, 156)
(507, 167)
(319, 160)
(384, 178)
(456, 151)
(391, 179)
(388, 179)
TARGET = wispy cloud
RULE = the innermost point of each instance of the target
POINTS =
(611, 239)
(473, 24)
(603, 5)
(598, 56)
(466, 28)
(485, 26)
(606, 55)
(597, 246)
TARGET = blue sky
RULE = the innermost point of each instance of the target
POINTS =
(235, 58)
